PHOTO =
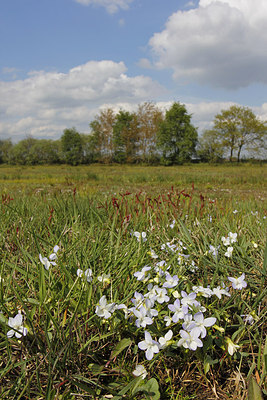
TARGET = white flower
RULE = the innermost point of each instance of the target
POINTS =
(235, 211)
(140, 371)
(79, 273)
(190, 340)
(153, 254)
(53, 256)
(165, 340)
(214, 250)
(104, 278)
(45, 262)
(88, 274)
(205, 292)
(172, 224)
(167, 320)
(104, 310)
(231, 347)
(161, 295)
(140, 236)
(226, 241)
(248, 318)
(200, 324)
(142, 275)
(238, 283)
(218, 291)
(17, 324)
(189, 299)
(171, 281)
(232, 237)
(142, 318)
(150, 346)
(229, 252)
(179, 311)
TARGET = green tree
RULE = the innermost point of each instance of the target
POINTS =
(102, 135)
(210, 148)
(21, 153)
(149, 118)
(125, 137)
(5, 150)
(71, 146)
(238, 128)
(177, 137)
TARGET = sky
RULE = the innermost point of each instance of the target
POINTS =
(63, 61)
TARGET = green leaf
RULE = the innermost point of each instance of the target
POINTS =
(120, 347)
(254, 391)
(150, 389)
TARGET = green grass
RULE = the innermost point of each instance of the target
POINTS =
(70, 352)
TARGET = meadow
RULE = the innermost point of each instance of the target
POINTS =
(133, 282)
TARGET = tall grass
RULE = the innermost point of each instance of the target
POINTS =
(69, 351)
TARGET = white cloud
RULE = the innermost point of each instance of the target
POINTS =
(112, 6)
(45, 103)
(221, 43)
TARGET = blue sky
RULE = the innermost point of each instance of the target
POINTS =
(64, 60)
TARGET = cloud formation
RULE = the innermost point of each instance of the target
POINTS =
(45, 103)
(112, 6)
(221, 43)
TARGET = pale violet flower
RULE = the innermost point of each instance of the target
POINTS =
(153, 254)
(50, 260)
(161, 295)
(167, 320)
(218, 291)
(140, 236)
(238, 283)
(165, 340)
(199, 324)
(178, 310)
(214, 250)
(235, 211)
(205, 292)
(171, 281)
(189, 299)
(190, 340)
(172, 224)
(87, 274)
(142, 319)
(231, 347)
(143, 275)
(103, 309)
(53, 256)
(45, 262)
(140, 371)
(16, 324)
(187, 321)
(138, 299)
(149, 345)
(229, 252)
(248, 318)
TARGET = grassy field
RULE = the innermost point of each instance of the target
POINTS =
(135, 300)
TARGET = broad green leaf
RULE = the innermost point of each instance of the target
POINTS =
(120, 347)
(254, 391)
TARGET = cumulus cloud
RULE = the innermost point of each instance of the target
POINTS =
(45, 103)
(112, 6)
(221, 43)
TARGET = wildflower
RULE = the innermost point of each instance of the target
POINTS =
(50, 260)
(53, 256)
(150, 346)
(218, 291)
(79, 273)
(138, 299)
(104, 310)
(140, 371)
(229, 252)
(226, 241)
(179, 311)
(214, 250)
(153, 254)
(248, 318)
(200, 324)
(232, 237)
(142, 319)
(142, 275)
(17, 324)
(171, 281)
(235, 211)
(167, 320)
(190, 340)
(254, 245)
(165, 340)
(189, 299)
(141, 237)
(238, 283)
(88, 274)
(161, 296)
(172, 224)
(205, 292)
(104, 278)
(231, 347)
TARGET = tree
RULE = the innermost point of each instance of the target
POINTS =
(125, 137)
(209, 147)
(71, 145)
(149, 118)
(102, 132)
(238, 128)
(177, 137)
(5, 150)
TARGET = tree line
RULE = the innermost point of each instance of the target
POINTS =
(147, 136)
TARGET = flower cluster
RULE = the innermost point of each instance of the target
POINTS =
(227, 241)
